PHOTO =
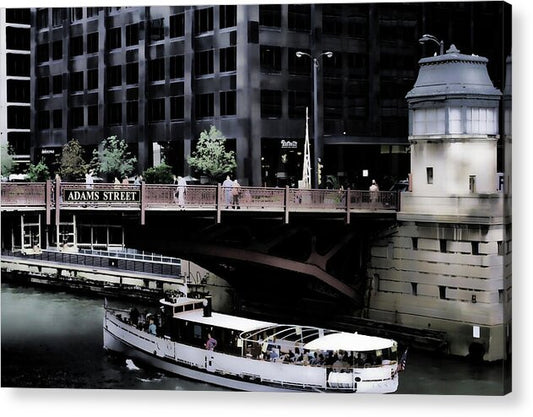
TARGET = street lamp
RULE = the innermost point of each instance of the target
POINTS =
(316, 142)
(426, 38)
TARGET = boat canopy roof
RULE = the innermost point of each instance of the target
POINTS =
(223, 320)
(349, 342)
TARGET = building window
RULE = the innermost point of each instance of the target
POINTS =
(92, 43)
(132, 73)
(228, 16)
(429, 175)
(18, 91)
(92, 79)
(414, 241)
(333, 66)
(443, 246)
(57, 17)
(472, 183)
(414, 288)
(429, 121)
(57, 50)
(298, 101)
(76, 13)
(57, 84)
(270, 57)
(76, 81)
(270, 104)
(500, 248)
(156, 69)
(93, 11)
(205, 105)
(92, 115)
(228, 103)
(156, 110)
(177, 107)
(177, 66)
(57, 116)
(76, 46)
(455, 124)
(43, 119)
(228, 59)
(177, 25)
(115, 113)
(299, 17)
(43, 86)
(77, 117)
(132, 34)
(17, 38)
(481, 121)
(203, 62)
(43, 52)
(475, 248)
(299, 66)
(203, 20)
(332, 21)
(18, 65)
(114, 76)
(132, 112)
(114, 38)
(18, 117)
(42, 18)
(270, 15)
(442, 292)
(157, 30)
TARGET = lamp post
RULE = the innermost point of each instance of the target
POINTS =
(316, 141)
(430, 38)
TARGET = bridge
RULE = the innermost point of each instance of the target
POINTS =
(283, 241)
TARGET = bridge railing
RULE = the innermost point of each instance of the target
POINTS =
(192, 197)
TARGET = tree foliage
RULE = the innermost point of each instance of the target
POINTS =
(210, 157)
(112, 158)
(72, 165)
(161, 174)
(7, 160)
(39, 172)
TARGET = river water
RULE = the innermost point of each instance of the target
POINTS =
(54, 340)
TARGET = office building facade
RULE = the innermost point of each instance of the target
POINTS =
(159, 76)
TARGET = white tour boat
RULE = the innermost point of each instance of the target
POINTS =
(190, 340)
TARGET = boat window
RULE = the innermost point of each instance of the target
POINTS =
(197, 331)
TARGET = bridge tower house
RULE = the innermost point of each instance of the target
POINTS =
(446, 265)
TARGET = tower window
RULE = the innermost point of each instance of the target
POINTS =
(76, 81)
(114, 38)
(472, 183)
(157, 30)
(204, 62)
(429, 175)
(271, 59)
(203, 20)
(114, 76)
(443, 245)
(132, 34)
(177, 66)
(228, 59)
(228, 16)
(132, 73)
(57, 84)
(57, 50)
(76, 46)
(475, 248)
(270, 15)
(228, 103)
(177, 25)
(414, 241)
(414, 288)
(442, 292)
(92, 79)
(92, 43)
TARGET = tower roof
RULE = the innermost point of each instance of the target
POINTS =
(453, 74)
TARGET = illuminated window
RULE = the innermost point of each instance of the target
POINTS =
(481, 120)
(429, 122)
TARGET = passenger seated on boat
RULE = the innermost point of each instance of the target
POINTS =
(274, 354)
(211, 342)
(360, 362)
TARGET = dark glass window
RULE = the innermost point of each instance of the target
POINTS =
(17, 38)
(228, 103)
(76, 46)
(156, 110)
(77, 117)
(203, 62)
(17, 64)
(205, 105)
(92, 115)
(298, 101)
(132, 112)
(270, 59)
(228, 16)
(76, 81)
(157, 30)
(57, 84)
(43, 86)
(114, 76)
(43, 52)
(270, 15)
(114, 40)
(92, 79)
(92, 43)
(332, 66)
(42, 18)
(22, 16)
(228, 59)
(177, 65)
(115, 113)
(132, 34)
(18, 91)
(332, 20)
(270, 103)
(156, 69)
(57, 17)
(18, 117)
(132, 73)
(76, 13)
(301, 65)
(57, 50)
(43, 119)
(203, 20)
(93, 11)
(299, 17)
(57, 116)
(177, 25)
(177, 108)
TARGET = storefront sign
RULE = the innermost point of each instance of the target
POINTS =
(289, 144)
(122, 196)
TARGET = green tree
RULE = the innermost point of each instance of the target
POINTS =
(72, 166)
(8, 162)
(161, 174)
(39, 172)
(210, 157)
(112, 159)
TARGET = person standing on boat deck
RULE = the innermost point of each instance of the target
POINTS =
(152, 328)
(211, 342)
(227, 185)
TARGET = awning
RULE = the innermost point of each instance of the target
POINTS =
(349, 341)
